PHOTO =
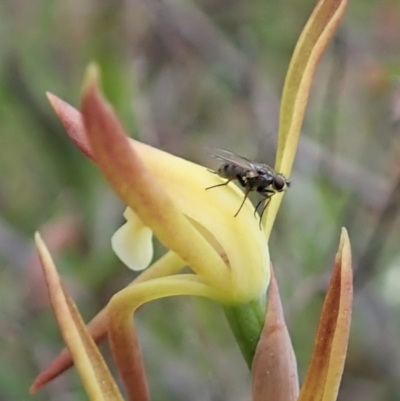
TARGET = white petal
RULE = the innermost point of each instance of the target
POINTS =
(132, 242)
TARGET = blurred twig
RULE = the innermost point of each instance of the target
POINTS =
(368, 261)
(196, 28)
(343, 173)
(191, 24)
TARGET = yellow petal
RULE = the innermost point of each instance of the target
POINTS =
(327, 362)
(123, 340)
(311, 45)
(133, 242)
(93, 371)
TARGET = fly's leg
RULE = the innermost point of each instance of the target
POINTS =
(267, 193)
(267, 200)
(242, 182)
(223, 184)
(246, 194)
(257, 206)
(265, 206)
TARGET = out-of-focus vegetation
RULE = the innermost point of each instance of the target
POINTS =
(183, 76)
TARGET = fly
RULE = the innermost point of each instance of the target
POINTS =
(251, 176)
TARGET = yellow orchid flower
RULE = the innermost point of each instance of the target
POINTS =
(166, 196)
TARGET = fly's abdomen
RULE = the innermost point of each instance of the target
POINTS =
(229, 170)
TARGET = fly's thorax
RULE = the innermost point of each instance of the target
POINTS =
(257, 180)
(252, 174)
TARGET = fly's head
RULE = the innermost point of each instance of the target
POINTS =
(280, 183)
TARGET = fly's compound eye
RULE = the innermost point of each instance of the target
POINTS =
(279, 182)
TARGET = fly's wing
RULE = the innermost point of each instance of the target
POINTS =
(229, 157)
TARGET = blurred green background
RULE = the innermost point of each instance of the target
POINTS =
(183, 76)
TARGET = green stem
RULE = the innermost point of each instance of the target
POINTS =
(247, 322)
